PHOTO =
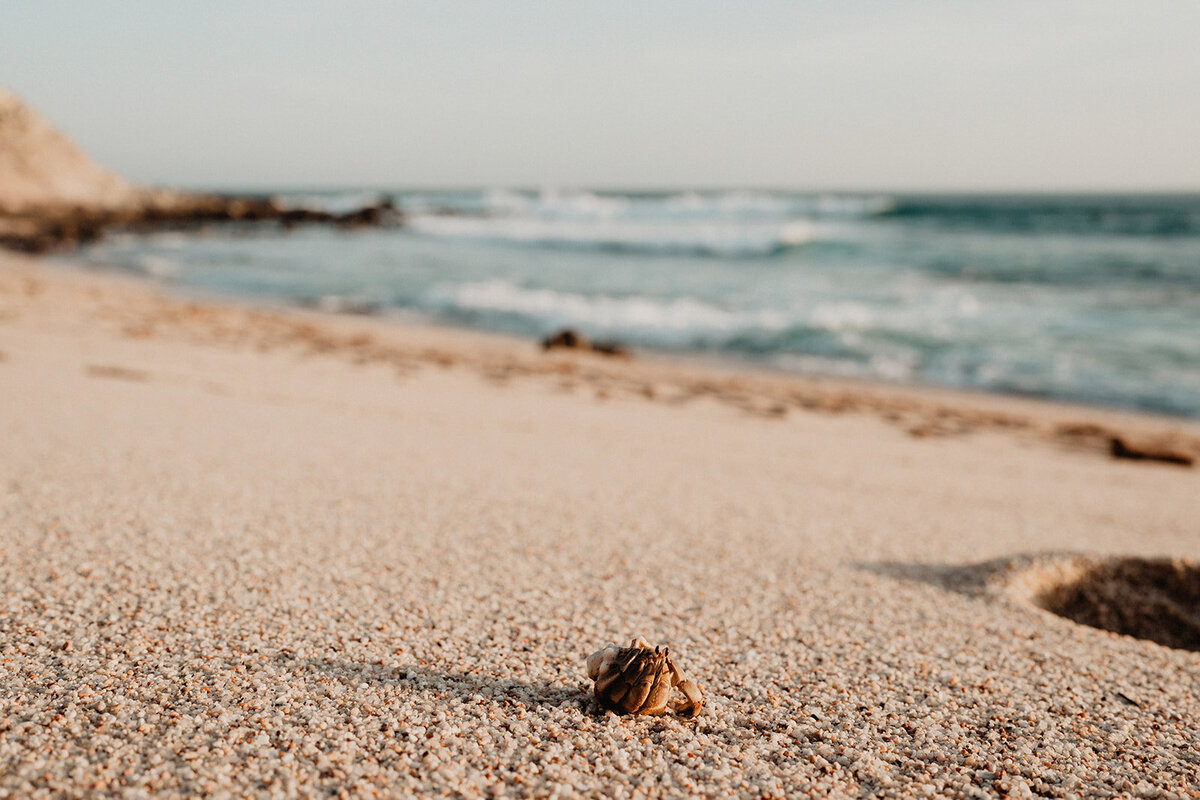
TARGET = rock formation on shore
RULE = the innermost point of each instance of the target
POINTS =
(52, 196)
(42, 169)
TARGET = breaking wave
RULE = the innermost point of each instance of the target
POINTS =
(680, 321)
(722, 224)
(722, 239)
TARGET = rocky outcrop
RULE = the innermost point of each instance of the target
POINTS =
(53, 196)
(63, 227)
(41, 169)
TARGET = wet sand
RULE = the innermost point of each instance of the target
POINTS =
(281, 553)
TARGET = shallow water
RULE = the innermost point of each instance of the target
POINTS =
(1092, 298)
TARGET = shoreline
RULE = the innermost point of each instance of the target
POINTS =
(1105, 394)
(922, 410)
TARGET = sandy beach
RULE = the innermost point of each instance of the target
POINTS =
(253, 552)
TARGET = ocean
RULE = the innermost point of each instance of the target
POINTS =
(1091, 298)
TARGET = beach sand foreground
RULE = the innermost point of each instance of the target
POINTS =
(272, 553)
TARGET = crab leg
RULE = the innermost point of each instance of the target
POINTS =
(693, 697)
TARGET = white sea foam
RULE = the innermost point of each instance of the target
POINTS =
(156, 266)
(555, 204)
(717, 238)
(730, 224)
(677, 320)
(738, 204)
(842, 316)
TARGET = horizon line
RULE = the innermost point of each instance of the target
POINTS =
(270, 187)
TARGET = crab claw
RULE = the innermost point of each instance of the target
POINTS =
(693, 698)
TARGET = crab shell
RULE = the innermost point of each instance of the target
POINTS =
(638, 679)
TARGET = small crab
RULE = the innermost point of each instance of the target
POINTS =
(638, 679)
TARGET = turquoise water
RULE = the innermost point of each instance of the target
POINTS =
(1093, 299)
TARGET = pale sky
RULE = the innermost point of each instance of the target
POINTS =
(920, 95)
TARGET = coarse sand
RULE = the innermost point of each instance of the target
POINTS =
(268, 553)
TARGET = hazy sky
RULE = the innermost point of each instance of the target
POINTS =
(961, 94)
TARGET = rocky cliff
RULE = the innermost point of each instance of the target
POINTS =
(40, 168)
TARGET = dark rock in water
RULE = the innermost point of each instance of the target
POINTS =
(1121, 449)
(362, 218)
(568, 338)
(64, 227)
(571, 339)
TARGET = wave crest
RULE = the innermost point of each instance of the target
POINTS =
(723, 239)
(678, 321)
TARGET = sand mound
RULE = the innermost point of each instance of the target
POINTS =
(1155, 599)
(40, 168)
